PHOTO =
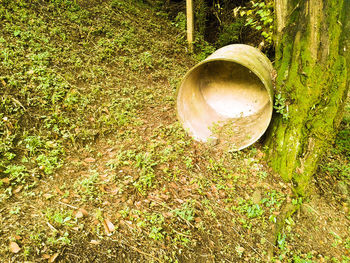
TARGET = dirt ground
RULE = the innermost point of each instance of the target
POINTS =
(100, 170)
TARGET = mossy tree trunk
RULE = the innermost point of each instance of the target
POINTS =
(313, 77)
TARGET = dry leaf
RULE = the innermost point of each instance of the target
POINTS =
(95, 242)
(79, 214)
(65, 200)
(167, 214)
(89, 160)
(5, 180)
(53, 258)
(58, 191)
(14, 247)
(198, 219)
(48, 196)
(83, 211)
(18, 189)
(109, 227)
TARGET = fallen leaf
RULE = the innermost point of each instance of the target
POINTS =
(58, 191)
(106, 203)
(118, 215)
(53, 258)
(45, 256)
(14, 247)
(48, 196)
(18, 189)
(83, 211)
(65, 200)
(109, 227)
(5, 180)
(89, 160)
(79, 214)
(240, 249)
(95, 242)
(167, 214)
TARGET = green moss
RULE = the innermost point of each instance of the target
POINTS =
(314, 88)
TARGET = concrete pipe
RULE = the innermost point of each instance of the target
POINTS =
(227, 99)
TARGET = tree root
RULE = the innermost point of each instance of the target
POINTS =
(287, 211)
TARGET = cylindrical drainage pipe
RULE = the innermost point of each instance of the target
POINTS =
(228, 97)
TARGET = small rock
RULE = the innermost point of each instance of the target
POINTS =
(14, 247)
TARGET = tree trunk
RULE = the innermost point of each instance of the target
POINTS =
(313, 77)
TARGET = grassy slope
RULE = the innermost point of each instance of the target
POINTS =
(88, 122)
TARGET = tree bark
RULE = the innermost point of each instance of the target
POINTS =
(313, 77)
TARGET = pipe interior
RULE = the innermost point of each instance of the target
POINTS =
(218, 92)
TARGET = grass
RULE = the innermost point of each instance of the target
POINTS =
(94, 164)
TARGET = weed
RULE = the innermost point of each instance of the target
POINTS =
(56, 239)
(15, 210)
(281, 107)
(18, 174)
(186, 212)
(188, 162)
(145, 164)
(250, 209)
(60, 217)
(259, 16)
(88, 187)
(281, 241)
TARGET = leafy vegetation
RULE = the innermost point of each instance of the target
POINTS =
(95, 166)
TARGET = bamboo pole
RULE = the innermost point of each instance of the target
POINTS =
(190, 25)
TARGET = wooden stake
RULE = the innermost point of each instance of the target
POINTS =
(190, 25)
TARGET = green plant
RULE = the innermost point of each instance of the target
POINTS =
(249, 209)
(281, 106)
(180, 21)
(60, 217)
(202, 48)
(88, 187)
(343, 142)
(188, 162)
(18, 174)
(186, 211)
(145, 164)
(15, 210)
(230, 32)
(57, 239)
(258, 16)
(281, 240)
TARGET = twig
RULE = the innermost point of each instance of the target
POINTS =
(71, 206)
(181, 233)
(51, 227)
(312, 209)
(17, 102)
(141, 252)
(247, 243)
(164, 205)
(236, 232)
